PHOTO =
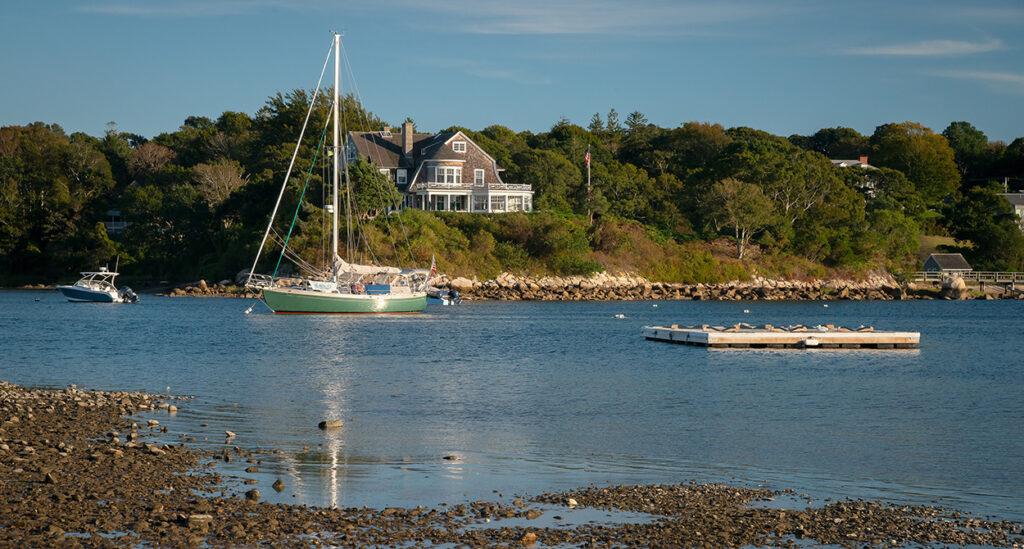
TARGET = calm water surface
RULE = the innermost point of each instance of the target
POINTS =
(536, 397)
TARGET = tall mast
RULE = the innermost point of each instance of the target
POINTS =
(337, 150)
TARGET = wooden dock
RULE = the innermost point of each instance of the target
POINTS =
(787, 337)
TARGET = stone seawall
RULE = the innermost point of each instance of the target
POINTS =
(606, 287)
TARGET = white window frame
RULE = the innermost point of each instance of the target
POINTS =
(448, 174)
(459, 146)
(478, 177)
(401, 176)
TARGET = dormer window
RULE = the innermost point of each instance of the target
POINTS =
(459, 146)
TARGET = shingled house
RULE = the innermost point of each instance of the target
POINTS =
(440, 172)
(947, 264)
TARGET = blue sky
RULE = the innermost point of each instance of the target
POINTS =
(786, 66)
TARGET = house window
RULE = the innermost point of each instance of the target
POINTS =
(400, 177)
(479, 203)
(448, 174)
(478, 178)
(459, 146)
(386, 172)
(515, 203)
(497, 203)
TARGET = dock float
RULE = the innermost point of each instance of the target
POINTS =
(767, 336)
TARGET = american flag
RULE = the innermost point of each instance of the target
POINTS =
(587, 158)
(433, 266)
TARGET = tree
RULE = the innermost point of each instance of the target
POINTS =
(988, 221)
(148, 158)
(596, 124)
(741, 206)
(924, 157)
(837, 143)
(218, 180)
(555, 179)
(969, 145)
(372, 191)
(635, 122)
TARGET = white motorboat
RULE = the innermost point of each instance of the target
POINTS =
(98, 287)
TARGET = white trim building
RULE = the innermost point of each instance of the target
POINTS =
(440, 172)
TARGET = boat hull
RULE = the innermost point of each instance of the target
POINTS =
(293, 301)
(85, 295)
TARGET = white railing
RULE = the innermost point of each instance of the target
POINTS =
(429, 185)
(970, 276)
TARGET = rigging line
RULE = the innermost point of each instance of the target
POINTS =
(298, 206)
(364, 121)
(288, 174)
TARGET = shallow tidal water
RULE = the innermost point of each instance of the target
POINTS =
(526, 398)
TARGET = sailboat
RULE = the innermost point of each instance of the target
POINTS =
(345, 286)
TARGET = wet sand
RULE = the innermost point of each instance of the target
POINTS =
(78, 470)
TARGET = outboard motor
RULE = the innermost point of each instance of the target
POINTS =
(127, 295)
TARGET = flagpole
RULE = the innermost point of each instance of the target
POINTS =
(590, 214)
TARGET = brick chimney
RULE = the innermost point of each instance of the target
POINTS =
(407, 139)
(863, 160)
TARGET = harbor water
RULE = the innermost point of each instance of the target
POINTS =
(517, 398)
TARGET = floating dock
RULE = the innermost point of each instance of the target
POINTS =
(783, 337)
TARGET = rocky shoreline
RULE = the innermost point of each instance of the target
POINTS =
(78, 472)
(625, 286)
(632, 287)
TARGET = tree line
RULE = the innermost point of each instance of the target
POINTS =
(660, 200)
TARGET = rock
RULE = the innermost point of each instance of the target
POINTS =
(529, 539)
(331, 424)
(532, 514)
(278, 485)
(461, 284)
(252, 469)
(252, 495)
(199, 521)
(229, 434)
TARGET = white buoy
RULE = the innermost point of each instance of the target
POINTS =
(655, 305)
(620, 315)
(826, 305)
(746, 310)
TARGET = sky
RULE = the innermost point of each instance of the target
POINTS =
(784, 66)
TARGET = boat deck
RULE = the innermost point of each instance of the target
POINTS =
(783, 337)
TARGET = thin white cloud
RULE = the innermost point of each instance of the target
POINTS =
(588, 16)
(195, 8)
(931, 48)
(1000, 81)
(482, 70)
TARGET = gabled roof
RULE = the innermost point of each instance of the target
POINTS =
(387, 151)
(950, 262)
(1017, 199)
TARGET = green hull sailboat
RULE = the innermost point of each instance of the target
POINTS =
(298, 301)
(345, 287)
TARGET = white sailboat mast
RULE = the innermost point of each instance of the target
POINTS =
(337, 149)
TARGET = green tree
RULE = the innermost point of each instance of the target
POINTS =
(988, 221)
(741, 207)
(969, 146)
(924, 157)
(373, 192)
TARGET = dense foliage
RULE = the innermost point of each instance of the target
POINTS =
(698, 202)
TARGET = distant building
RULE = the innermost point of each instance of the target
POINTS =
(868, 187)
(947, 264)
(1017, 201)
(114, 223)
(440, 172)
(862, 163)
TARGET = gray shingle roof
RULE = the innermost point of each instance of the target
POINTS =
(1017, 199)
(949, 262)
